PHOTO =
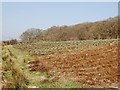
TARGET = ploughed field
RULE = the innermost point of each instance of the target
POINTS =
(90, 63)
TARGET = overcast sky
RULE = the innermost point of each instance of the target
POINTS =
(18, 17)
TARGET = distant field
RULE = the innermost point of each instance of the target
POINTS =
(62, 47)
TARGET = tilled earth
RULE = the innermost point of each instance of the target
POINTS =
(97, 67)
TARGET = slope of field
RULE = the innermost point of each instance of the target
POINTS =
(95, 67)
(13, 68)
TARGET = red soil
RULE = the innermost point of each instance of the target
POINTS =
(97, 67)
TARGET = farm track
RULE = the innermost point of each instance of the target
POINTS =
(97, 67)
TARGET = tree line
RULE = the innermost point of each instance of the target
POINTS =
(10, 42)
(106, 29)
